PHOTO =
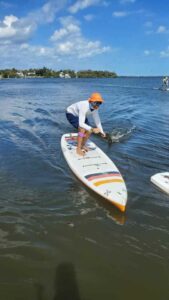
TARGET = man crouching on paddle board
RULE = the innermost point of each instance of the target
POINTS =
(77, 114)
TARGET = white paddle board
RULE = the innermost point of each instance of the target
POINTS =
(95, 170)
(161, 180)
(161, 89)
(164, 89)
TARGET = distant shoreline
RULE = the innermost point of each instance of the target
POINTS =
(49, 73)
(87, 77)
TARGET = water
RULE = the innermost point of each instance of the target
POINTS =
(58, 241)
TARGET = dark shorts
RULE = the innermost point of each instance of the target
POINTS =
(74, 121)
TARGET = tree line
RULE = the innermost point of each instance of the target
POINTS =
(49, 73)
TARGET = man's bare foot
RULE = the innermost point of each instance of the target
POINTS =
(86, 148)
(80, 152)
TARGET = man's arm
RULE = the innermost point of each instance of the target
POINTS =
(82, 118)
(97, 121)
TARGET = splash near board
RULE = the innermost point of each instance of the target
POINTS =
(161, 180)
(95, 170)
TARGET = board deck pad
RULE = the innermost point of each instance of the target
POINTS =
(161, 180)
(95, 170)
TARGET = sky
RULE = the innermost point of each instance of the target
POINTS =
(129, 37)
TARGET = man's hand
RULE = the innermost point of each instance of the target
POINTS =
(96, 130)
(103, 134)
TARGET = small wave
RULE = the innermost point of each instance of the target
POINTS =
(42, 111)
(130, 86)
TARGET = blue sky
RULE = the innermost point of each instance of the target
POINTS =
(130, 37)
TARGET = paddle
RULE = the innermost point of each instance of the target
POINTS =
(107, 137)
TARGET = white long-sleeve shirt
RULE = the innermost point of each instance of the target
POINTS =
(82, 110)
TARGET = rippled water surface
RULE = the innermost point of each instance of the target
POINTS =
(58, 241)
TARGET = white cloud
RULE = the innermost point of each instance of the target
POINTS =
(24, 46)
(67, 43)
(89, 17)
(91, 49)
(47, 13)
(165, 53)
(26, 56)
(5, 4)
(148, 52)
(162, 29)
(16, 30)
(67, 31)
(82, 4)
(6, 29)
(120, 14)
(68, 40)
(127, 1)
(35, 51)
(19, 30)
(8, 20)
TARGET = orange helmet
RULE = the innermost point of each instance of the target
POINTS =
(96, 97)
